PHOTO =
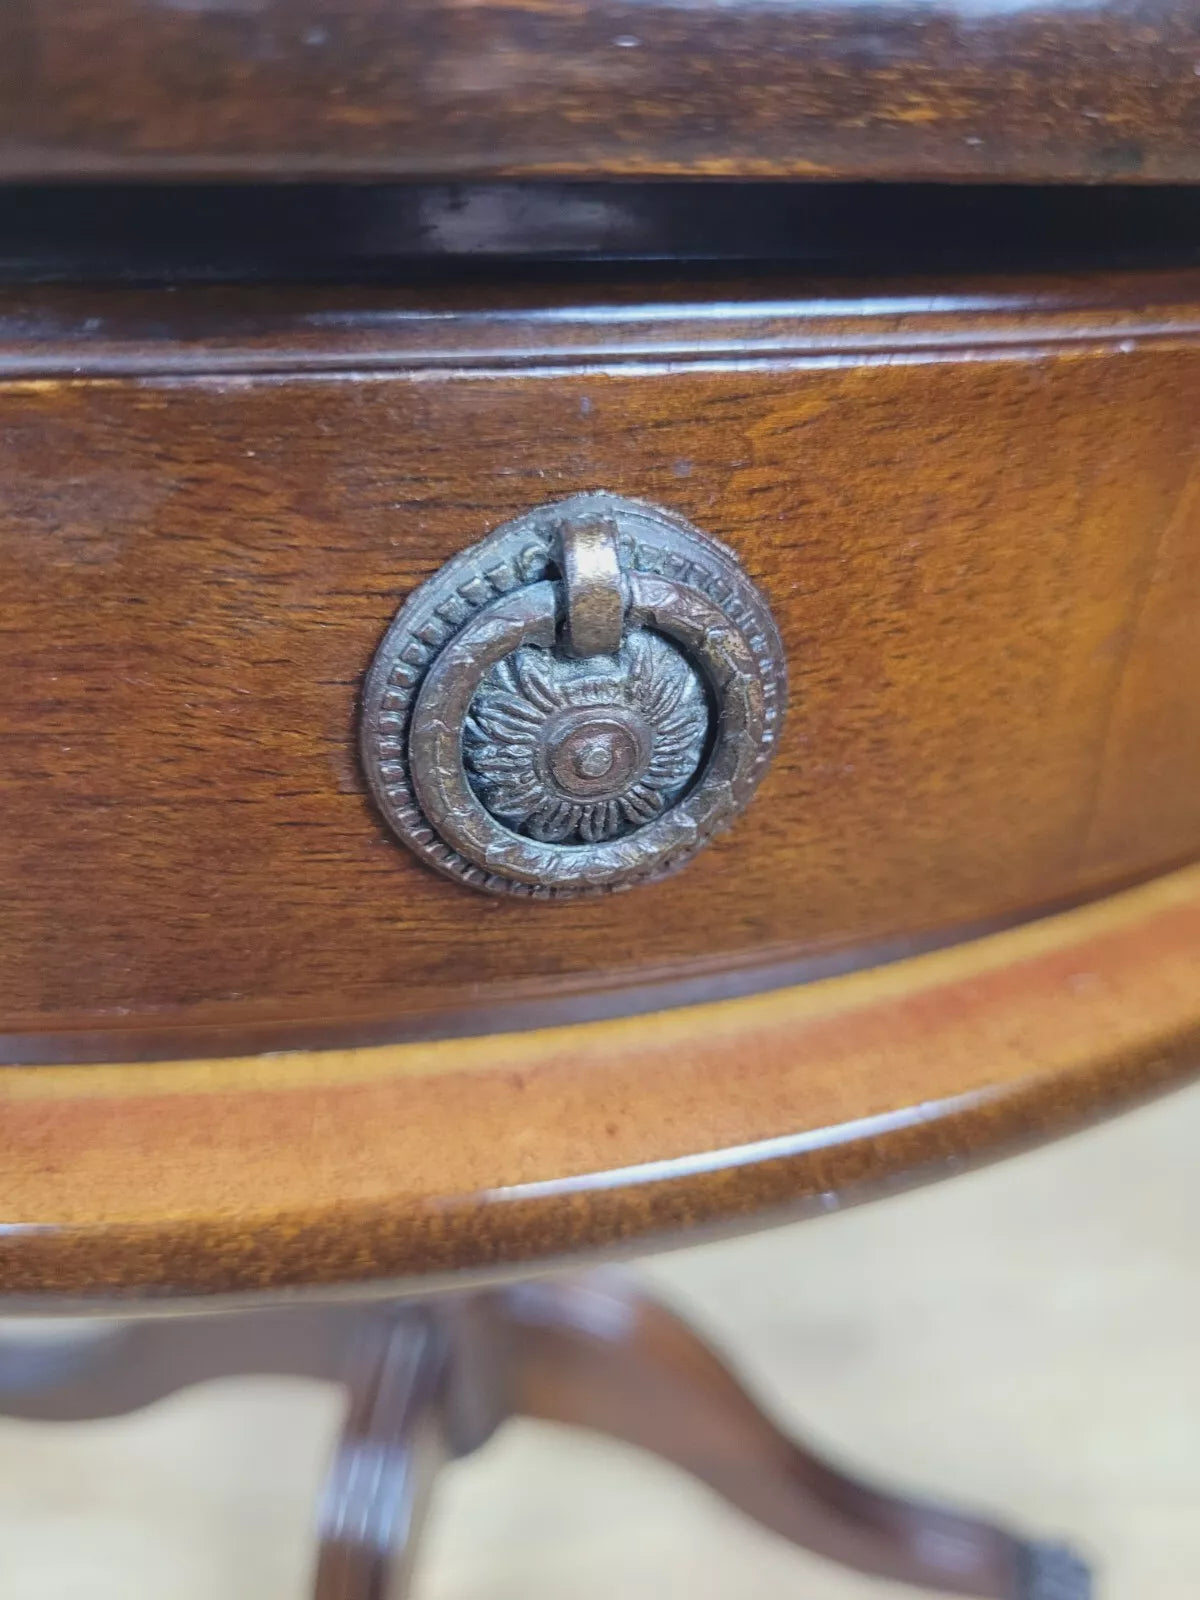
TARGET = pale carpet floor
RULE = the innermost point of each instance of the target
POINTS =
(1024, 1338)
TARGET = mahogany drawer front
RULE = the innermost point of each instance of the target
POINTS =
(971, 508)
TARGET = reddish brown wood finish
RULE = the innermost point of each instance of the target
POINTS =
(438, 1378)
(969, 88)
(485, 1155)
(592, 1352)
(972, 508)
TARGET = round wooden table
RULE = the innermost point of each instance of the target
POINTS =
(395, 1167)
(456, 463)
(419, 1194)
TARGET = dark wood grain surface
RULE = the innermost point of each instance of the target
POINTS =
(802, 88)
(972, 507)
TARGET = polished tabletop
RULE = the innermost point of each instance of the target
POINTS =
(400, 1165)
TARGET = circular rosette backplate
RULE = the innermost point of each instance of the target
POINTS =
(510, 761)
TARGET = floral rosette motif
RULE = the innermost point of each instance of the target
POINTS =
(578, 751)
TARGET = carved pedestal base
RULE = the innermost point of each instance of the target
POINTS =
(433, 1380)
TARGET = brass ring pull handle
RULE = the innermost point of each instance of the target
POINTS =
(576, 704)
